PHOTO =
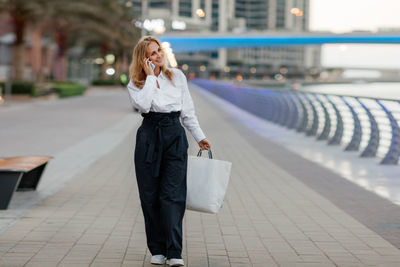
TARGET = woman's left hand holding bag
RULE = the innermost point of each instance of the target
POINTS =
(204, 144)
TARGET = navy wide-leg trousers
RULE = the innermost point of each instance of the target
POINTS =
(160, 166)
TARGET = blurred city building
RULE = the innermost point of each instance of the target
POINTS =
(35, 61)
(6, 39)
(85, 51)
(235, 16)
(56, 40)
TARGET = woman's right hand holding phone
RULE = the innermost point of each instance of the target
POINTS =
(146, 66)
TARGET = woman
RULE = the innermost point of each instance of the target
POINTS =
(162, 96)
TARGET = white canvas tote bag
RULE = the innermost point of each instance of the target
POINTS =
(207, 181)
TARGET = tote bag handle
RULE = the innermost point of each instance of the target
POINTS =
(209, 153)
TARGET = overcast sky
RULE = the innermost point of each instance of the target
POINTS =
(347, 15)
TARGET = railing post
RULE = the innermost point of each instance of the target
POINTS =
(314, 126)
(264, 105)
(270, 110)
(294, 112)
(304, 117)
(277, 108)
(337, 137)
(285, 110)
(392, 156)
(373, 143)
(354, 144)
(327, 125)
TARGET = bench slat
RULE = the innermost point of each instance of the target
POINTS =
(23, 164)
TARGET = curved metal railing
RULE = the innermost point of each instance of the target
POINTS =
(367, 125)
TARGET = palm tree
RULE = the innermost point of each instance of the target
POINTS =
(102, 23)
(22, 12)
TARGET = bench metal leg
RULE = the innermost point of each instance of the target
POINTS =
(30, 180)
(8, 184)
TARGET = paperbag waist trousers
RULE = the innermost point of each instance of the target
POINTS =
(161, 165)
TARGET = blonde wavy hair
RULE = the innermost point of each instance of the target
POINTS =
(136, 71)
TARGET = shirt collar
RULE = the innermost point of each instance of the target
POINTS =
(161, 75)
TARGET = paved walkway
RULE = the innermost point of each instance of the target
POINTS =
(339, 176)
(270, 216)
(70, 130)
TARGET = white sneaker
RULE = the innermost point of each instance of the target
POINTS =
(175, 262)
(158, 259)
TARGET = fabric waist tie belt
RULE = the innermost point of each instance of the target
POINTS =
(158, 120)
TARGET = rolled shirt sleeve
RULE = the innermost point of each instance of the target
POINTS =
(188, 116)
(142, 98)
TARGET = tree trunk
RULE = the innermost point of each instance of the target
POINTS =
(61, 64)
(36, 56)
(18, 59)
(104, 48)
(118, 65)
(19, 46)
(125, 63)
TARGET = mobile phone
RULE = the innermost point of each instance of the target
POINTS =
(151, 64)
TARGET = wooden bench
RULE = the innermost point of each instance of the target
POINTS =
(19, 173)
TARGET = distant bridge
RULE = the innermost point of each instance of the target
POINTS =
(183, 43)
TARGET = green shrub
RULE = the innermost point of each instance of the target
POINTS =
(108, 82)
(22, 87)
(39, 91)
(68, 89)
(19, 87)
(123, 79)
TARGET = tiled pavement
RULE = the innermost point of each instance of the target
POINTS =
(74, 131)
(353, 184)
(269, 218)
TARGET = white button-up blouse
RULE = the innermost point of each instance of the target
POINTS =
(169, 97)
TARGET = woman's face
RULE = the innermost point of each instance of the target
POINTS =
(154, 53)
